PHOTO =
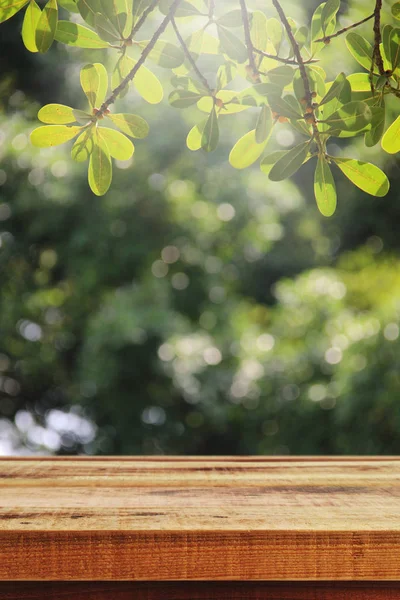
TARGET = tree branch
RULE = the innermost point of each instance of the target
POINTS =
(376, 55)
(285, 61)
(190, 59)
(144, 16)
(328, 38)
(146, 51)
(249, 44)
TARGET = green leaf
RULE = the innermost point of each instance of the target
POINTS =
(29, 25)
(328, 14)
(396, 10)
(73, 34)
(324, 187)
(8, 8)
(391, 140)
(88, 10)
(57, 114)
(257, 94)
(290, 162)
(274, 33)
(373, 136)
(69, 5)
(83, 145)
(100, 167)
(258, 31)
(185, 9)
(225, 74)
(195, 135)
(132, 125)
(46, 26)
(350, 117)
(385, 46)
(94, 82)
(148, 86)
(264, 125)
(229, 98)
(269, 160)
(281, 76)
(164, 54)
(365, 176)
(246, 151)
(360, 82)
(395, 48)
(119, 146)
(283, 108)
(106, 29)
(53, 135)
(210, 137)
(231, 45)
(124, 65)
(119, 13)
(334, 90)
(360, 49)
(232, 18)
(183, 98)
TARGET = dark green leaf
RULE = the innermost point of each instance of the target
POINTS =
(210, 137)
(290, 162)
(231, 45)
(46, 26)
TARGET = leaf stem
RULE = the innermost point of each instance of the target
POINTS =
(190, 58)
(309, 108)
(285, 61)
(249, 44)
(146, 51)
(328, 38)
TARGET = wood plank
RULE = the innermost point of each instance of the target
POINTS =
(213, 590)
(220, 518)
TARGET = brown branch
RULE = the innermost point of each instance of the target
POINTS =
(296, 52)
(190, 58)
(144, 16)
(146, 51)
(376, 55)
(328, 38)
(285, 61)
(249, 44)
(309, 115)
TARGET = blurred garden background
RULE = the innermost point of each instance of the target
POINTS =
(193, 309)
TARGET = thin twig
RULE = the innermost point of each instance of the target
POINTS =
(309, 108)
(142, 19)
(285, 61)
(190, 58)
(296, 52)
(249, 43)
(146, 51)
(376, 55)
(328, 38)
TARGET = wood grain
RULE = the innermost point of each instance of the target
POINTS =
(199, 518)
(213, 590)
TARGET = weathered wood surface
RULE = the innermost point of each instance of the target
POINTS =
(200, 518)
(213, 590)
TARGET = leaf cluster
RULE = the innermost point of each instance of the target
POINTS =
(267, 66)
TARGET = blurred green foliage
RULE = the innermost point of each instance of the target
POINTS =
(193, 309)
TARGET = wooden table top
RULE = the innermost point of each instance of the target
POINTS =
(193, 518)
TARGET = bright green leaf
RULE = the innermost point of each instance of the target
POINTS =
(148, 86)
(368, 177)
(324, 188)
(329, 13)
(246, 151)
(46, 26)
(264, 125)
(350, 117)
(391, 139)
(132, 125)
(88, 10)
(360, 48)
(184, 98)
(73, 34)
(29, 25)
(119, 146)
(83, 145)
(53, 135)
(100, 167)
(194, 137)
(57, 114)
(94, 82)
(8, 8)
